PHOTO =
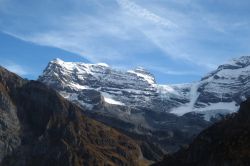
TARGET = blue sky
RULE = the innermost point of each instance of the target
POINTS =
(178, 41)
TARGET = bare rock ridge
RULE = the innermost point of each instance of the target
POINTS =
(224, 143)
(39, 127)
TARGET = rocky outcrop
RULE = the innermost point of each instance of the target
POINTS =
(9, 122)
(39, 127)
(225, 143)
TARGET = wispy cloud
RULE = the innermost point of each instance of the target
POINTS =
(127, 31)
(2, 5)
(172, 33)
(174, 72)
(144, 13)
(15, 68)
(178, 72)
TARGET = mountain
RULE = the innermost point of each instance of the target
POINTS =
(129, 101)
(136, 88)
(162, 118)
(216, 93)
(39, 127)
(222, 91)
(224, 143)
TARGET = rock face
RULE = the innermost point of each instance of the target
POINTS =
(9, 122)
(39, 127)
(225, 143)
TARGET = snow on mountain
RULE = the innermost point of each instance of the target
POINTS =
(140, 72)
(134, 88)
(220, 92)
(108, 99)
(188, 107)
(161, 116)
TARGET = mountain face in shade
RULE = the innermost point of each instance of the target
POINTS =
(39, 127)
(224, 143)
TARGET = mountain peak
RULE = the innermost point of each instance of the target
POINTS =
(57, 60)
(232, 68)
(143, 73)
(236, 63)
(241, 62)
(103, 64)
(98, 69)
(77, 76)
(73, 65)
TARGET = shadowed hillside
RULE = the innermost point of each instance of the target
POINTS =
(39, 127)
(225, 143)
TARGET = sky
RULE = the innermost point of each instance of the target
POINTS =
(178, 41)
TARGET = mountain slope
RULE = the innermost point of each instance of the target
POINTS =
(225, 143)
(39, 127)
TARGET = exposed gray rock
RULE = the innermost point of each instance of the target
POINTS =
(9, 122)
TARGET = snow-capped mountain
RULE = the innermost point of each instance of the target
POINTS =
(133, 88)
(132, 101)
(220, 91)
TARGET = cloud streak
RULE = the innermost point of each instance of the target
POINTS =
(129, 32)
(141, 12)
(15, 68)
(175, 72)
